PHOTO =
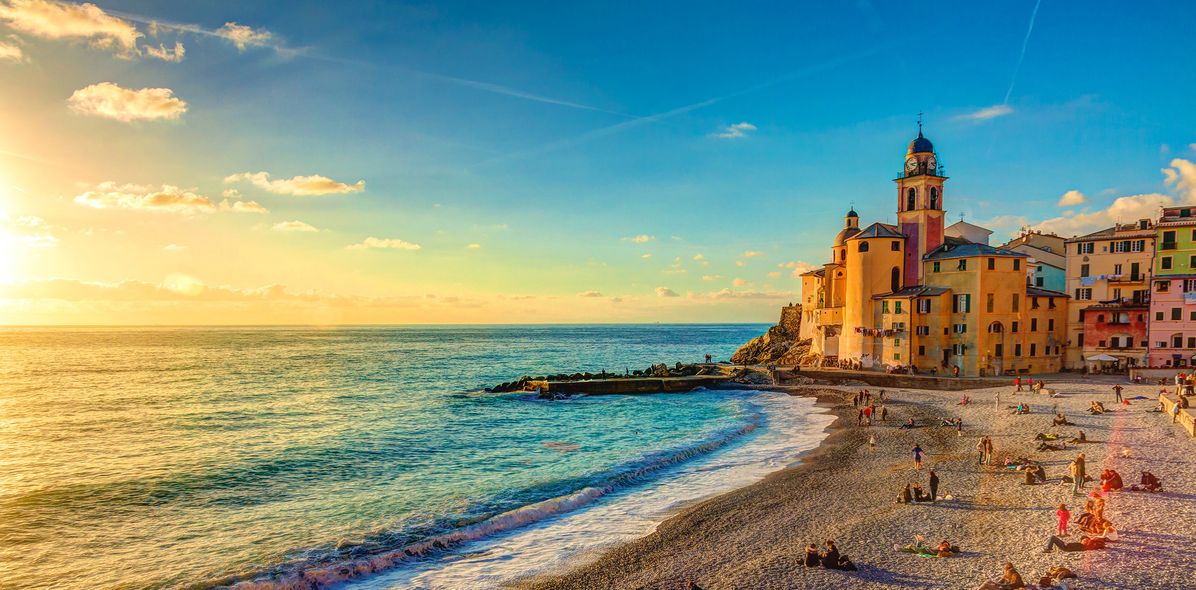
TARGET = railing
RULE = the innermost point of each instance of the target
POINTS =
(1183, 418)
(1138, 278)
(1168, 245)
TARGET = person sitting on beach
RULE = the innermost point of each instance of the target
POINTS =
(1035, 474)
(1061, 420)
(1084, 544)
(813, 559)
(1110, 480)
(1009, 580)
(964, 401)
(832, 560)
(1150, 483)
(1079, 438)
(1046, 446)
(946, 549)
(909, 423)
(1096, 407)
(1047, 436)
(919, 494)
(1021, 409)
(906, 496)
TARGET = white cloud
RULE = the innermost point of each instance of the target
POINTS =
(640, 239)
(729, 294)
(1072, 198)
(699, 257)
(1180, 177)
(736, 131)
(752, 254)
(590, 294)
(987, 113)
(60, 20)
(29, 230)
(372, 243)
(11, 53)
(167, 198)
(740, 263)
(666, 292)
(645, 256)
(297, 185)
(293, 226)
(474, 247)
(126, 105)
(242, 35)
(776, 274)
(166, 54)
(173, 248)
(739, 282)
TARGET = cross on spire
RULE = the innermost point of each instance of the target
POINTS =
(919, 123)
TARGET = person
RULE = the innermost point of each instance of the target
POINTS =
(982, 446)
(909, 423)
(964, 401)
(918, 493)
(988, 450)
(1149, 483)
(690, 585)
(872, 442)
(1060, 420)
(812, 556)
(868, 415)
(1117, 393)
(1084, 544)
(1009, 580)
(1095, 407)
(1017, 382)
(906, 496)
(1064, 516)
(997, 402)
(1081, 460)
(884, 412)
(934, 485)
(917, 457)
(830, 557)
(859, 419)
(881, 396)
(959, 427)
(1030, 381)
(1077, 477)
(955, 371)
(1111, 480)
(1175, 413)
(1079, 438)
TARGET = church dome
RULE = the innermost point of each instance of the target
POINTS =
(846, 234)
(852, 213)
(920, 144)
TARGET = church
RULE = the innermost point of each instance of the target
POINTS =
(919, 295)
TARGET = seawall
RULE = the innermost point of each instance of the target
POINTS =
(897, 380)
(624, 386)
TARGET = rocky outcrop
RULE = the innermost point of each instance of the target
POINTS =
(780, 345)
(655, 371)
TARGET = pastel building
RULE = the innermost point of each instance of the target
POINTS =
(1108, 276)
(1173, 300)
(1047, 262)
(912, 294)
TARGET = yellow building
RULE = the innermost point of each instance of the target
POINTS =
(907, 295)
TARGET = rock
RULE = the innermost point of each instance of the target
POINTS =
(779, 345)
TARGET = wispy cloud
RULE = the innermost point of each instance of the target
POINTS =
(166, 54)
(712, 277)
(736, 131)
(1022, 55)
(293, 226)
(66, 21)
(167, 198)
(640, 239)
(372, 243)
(752, 254)
(474, 247)
(110, 101)
(986, 113)
(589, 294)
(666, 292)
(12, 53)
(313, 185)
(243, 35)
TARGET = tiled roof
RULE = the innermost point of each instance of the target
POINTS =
(955, 249)
(919, 291)
(1040, 292)
(879, 230)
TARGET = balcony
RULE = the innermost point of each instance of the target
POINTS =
(1167, 245)
(1138, 278)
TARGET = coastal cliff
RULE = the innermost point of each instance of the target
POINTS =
(780, 345)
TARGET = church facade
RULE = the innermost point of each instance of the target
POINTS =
(910, 295)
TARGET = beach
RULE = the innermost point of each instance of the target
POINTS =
(754, 537)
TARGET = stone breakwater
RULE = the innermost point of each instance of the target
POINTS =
(780, 345)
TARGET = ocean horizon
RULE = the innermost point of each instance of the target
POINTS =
(202, 457)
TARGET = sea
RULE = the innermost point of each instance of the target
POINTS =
(358, 457)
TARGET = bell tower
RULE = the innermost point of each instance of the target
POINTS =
(920, 204)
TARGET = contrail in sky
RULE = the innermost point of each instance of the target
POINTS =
(1022, 56)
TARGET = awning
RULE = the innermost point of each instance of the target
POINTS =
(1102, 357)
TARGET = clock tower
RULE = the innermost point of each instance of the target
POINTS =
(920, 205)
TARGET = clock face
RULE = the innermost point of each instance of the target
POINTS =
(911, 164)
(930, 163)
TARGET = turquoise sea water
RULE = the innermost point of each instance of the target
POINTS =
(199, 457)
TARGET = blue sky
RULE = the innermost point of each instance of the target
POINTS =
(548, 135)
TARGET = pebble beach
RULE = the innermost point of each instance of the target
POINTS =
(754, 537)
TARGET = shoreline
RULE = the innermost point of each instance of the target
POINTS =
(753, 537)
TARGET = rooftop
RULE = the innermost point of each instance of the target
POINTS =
(957, 248)
(879, 230)
(919, 291)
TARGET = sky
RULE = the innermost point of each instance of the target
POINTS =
(547, 162)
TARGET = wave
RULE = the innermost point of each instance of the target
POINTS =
(349, 563)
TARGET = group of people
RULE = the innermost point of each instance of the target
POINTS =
(868, 409)
(1029, 383)
(830, 558)
(1011, 580)
(985, 447)
(913, 491)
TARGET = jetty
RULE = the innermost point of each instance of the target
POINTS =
(627, 385)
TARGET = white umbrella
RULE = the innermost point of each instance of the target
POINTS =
(1102, 357)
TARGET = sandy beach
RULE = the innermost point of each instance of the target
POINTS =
(754, 537)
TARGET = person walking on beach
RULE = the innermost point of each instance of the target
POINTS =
(868, 415)
(859, 418)
(884, 413)
(872, 442)
(982, 449)
(934, 485)
(1017, 383)
(917, 457)
(1117, 393)
(1063, 515)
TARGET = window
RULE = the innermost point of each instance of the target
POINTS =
(1165, 263)
(895, 246)
(992, 264)
(910, 197)
(936, 266)
(1084, 294)
(1017, 349)
(1084, 248)
(1162, 286)
(896, 307)
(998, 350)
(1038, 281)
(884, 306)
(1161, 344)
(1051, 324)
(1100, 317)
(959, 328)
(896, 356)
(988, 304)
(1189, 285)
(1033, 324)
(963, 264)
(1158, 316)
(1016, 302)
(1013, 327)
(921, 351)
(1191, 316)
(934, 196)
(1192, 261)
(1191, 341)
(1033, 303)
(1168, 242)
(1102, 343)
(1177, 313)
(1033, 349)
(922, 330)
(1116, 269)
(1177, 341)
(1083, 270)
(1138, 246)
(962, 304)
(1017, 264)
(1117, 293)
(863, 246)
(958, 348)
(923, 306)
(895, 279)
(1122, 246)
(896, 342)
(1080, 339)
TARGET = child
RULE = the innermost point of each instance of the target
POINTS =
(1064, 516)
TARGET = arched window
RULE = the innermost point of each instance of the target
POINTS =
(843, 255)
(909, 199)
(934, 198)
(895, 279)
(863, 246)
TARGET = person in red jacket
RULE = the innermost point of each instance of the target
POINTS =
(1064, 515)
